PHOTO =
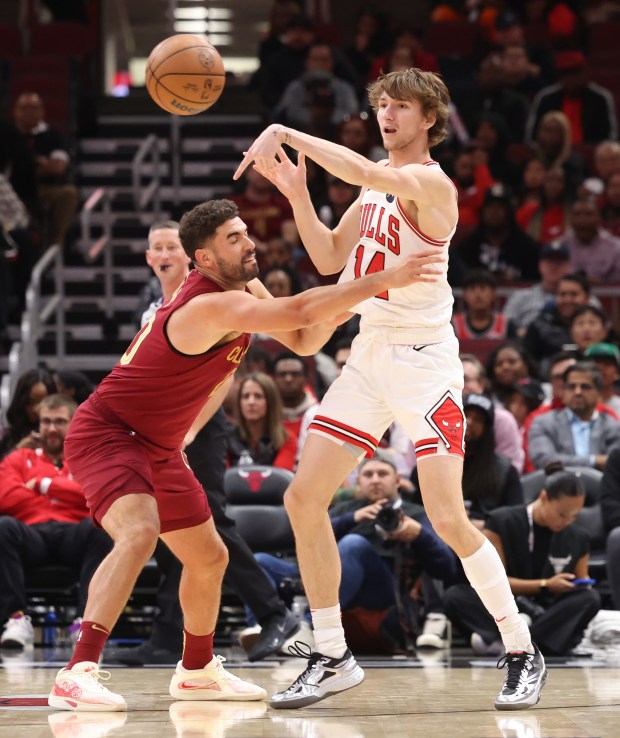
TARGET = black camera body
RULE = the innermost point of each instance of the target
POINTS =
(389, 517)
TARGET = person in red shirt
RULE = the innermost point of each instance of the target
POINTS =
(125, 442)
(44, 520)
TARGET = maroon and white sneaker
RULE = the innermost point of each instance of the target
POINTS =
(79, 689)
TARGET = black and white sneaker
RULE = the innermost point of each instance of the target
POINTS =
(525, 677)
(322, 677)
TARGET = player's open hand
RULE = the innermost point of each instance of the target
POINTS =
(288, 178)
(422, 267)
(262, 151)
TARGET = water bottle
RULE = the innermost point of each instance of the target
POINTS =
(50, 627)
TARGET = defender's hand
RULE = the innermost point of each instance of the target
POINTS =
(417, 268)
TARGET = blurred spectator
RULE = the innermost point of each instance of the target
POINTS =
(317, 86)
(578, 434)
(507, 438)
(263, 209)
(521, 75)
(493, 137)
(291, 376)
(610, 509)
(44, 520)
(589, 325)
(589, 107)
(593, 250)
(17, 162)
(548, 219)
(606, 161)
(370, 40)
(18, 254)
(532, 180)
(281, 281)
(55, 193)
(525, 305)
(489, 479)
(510, 34)
(558, 364)
(554, 148)
(527, 396)
(279, 253)
(472, 179)
(340, 195)
(498, 244)
(73, 384)
(408, 38)
(610, 208)
(479, 319)
(549, 332)
(543, 550)
(22, 414)
(259, 436)
(288, 64)
(506, 365)
(358, 134)
(490, 95)
(280, 14)
(564, 23)
(606, 356)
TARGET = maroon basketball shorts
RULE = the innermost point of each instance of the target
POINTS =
(109, 460)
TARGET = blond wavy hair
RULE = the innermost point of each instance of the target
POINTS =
(414, 84)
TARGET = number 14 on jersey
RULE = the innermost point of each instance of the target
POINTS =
(376, 264)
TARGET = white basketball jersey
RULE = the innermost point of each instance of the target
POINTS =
(387, 236)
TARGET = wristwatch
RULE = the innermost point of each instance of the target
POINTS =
(543, 585)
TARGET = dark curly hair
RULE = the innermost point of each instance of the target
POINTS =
(200, 223)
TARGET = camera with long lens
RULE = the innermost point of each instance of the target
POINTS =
(389, 517)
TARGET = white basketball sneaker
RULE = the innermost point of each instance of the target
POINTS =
(79, 689)
(212, 683)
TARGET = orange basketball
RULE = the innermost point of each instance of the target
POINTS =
(185, 74)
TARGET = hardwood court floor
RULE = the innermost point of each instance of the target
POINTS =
(400, 697)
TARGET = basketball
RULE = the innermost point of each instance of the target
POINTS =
(185, 74)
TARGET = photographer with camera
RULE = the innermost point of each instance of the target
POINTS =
(386, 544)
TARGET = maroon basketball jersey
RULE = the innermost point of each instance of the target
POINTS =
(157, 390)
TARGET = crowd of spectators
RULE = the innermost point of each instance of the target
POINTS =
(534, 156)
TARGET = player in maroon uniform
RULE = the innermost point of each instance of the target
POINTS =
(124, 445)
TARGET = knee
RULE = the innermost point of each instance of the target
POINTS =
(353, 545)
(9, 528)
(298, 504)
(140, 539)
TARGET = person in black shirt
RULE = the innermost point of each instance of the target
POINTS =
(544, 553)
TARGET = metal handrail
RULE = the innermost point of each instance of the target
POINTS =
(100, 199)
(144, 195)
(24, 354)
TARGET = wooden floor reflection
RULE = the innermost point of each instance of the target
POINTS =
(439, 700)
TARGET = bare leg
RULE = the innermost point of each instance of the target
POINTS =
(440, 484)
(133, 524)
(204, 558)
(323, 466)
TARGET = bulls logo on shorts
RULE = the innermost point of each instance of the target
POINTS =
(447, 419)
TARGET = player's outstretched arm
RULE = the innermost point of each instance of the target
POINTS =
(207, 319)
(329, 250)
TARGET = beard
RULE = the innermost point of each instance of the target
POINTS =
(244, 272)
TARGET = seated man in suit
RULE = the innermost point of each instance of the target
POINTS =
(576, 435)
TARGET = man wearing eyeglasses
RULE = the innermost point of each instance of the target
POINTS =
(44, 520)
(578, 434)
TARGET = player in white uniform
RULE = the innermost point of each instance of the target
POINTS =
(404, 365)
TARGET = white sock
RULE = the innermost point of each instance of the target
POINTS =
(487, 576)
(328, 631)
